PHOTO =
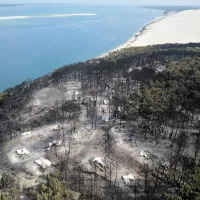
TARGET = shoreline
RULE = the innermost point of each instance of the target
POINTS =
(134, 38)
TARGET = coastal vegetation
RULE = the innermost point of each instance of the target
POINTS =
(2, 97)
(151, 97)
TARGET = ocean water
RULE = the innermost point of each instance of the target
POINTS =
(36, 39)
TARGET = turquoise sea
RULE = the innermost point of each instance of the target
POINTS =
(36, 39)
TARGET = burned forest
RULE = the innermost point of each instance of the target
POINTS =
(126, 126)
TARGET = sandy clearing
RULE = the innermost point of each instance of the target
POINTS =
(50, 96)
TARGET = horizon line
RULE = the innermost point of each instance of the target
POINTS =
(98, 3)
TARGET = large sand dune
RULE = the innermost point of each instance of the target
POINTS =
(181, 27)
(176, 27)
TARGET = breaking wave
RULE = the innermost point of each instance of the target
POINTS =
(46, 16)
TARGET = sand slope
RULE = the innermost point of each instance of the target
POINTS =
(176, 27)
(181, 27)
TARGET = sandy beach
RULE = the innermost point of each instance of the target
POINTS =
(175, 27)
(47, 16)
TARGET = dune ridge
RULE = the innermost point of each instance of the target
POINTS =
(176, 27)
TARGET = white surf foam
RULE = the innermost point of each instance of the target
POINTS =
(46, 16)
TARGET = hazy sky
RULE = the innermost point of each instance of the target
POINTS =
(136, 2)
